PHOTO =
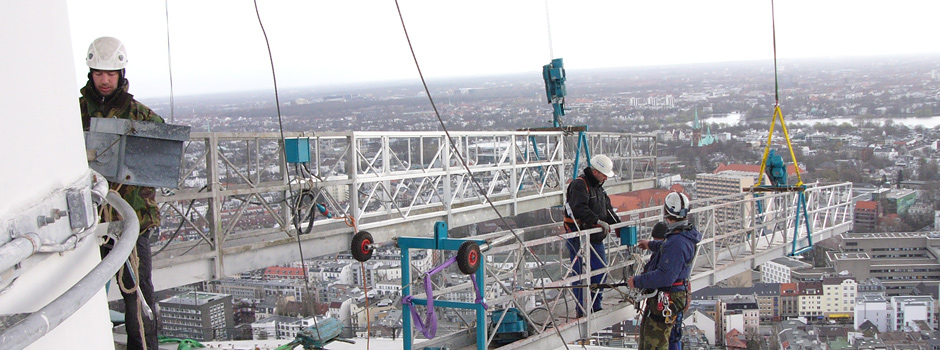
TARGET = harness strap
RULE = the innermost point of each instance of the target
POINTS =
(570, 219)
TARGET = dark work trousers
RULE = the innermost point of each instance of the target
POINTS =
(598, 259)
(131, 307)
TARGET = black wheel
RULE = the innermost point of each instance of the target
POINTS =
(468, 257)
(361, 247)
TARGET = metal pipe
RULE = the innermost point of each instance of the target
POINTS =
(17, 250)
(41, 322)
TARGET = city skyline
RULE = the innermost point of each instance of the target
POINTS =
(217, 48)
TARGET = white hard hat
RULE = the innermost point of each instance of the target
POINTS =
(106, 53)
(603, 164)
(676, 205)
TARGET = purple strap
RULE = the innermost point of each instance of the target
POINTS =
(429, 326)
(479, 300)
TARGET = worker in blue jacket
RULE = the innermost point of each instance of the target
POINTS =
(669, 270)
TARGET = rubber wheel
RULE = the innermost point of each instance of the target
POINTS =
(468, 257)
(361, 246)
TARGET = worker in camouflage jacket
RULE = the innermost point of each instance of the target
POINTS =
(105, 96)
(668, 273)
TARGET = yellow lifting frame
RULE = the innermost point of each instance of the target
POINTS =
(786, 134)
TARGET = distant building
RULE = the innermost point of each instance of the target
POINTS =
(789, 300)
(811, 300)
(282, 272)
(767, 296)
(267, 328)
(741, 312)
(197, 315)
(723, 184)
(908, 309)
(839, 297)
(707, 315)
(873, 308)
(896, 201)
(900, 260)
(702, 321)
(240, 289)
(289, 330)
(866, 216)
(779, 269)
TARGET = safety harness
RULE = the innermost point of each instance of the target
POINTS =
(664, 295)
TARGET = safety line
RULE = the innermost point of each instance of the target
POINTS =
(773, 26)
(280, 126)
(463, 161)
(548, 23)
(169, 60)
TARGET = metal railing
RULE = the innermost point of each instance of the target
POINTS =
(237, 191)
(736, 238)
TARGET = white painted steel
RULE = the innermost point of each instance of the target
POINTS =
(401, 182)
(725, 251)
(44, 153)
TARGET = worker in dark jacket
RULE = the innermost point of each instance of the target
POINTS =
(587, 206)
(669, 272)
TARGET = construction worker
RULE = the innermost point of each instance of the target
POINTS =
(659, 234)
(587, 206)
(105, 96)
(670, 267)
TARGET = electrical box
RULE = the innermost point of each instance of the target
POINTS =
(135, 152)
(297, 149)
(628, 236)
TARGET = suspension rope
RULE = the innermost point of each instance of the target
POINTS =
(773, 26)
(280, 126)
(365, 290)
(463, 161)
(169, 61)
(548, 24)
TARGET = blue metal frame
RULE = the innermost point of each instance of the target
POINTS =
(440, 241)
(801, 208)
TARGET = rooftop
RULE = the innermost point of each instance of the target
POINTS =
(883, 235)
(752, 168)
(193, 298)
(791, 263)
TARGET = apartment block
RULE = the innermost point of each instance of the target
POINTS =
(909, 309)
(810, 299)
(873, 308)
(866, 216)
(197, 315)
(839, 297)
(729, 215)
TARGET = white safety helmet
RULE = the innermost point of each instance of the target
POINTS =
(676, 205)
(603, 164)
(106, 53)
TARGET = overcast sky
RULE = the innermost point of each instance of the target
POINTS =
(217, 45)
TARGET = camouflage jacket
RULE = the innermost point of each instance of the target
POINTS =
(123, 105)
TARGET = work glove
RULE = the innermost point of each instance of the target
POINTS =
(598, 237)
